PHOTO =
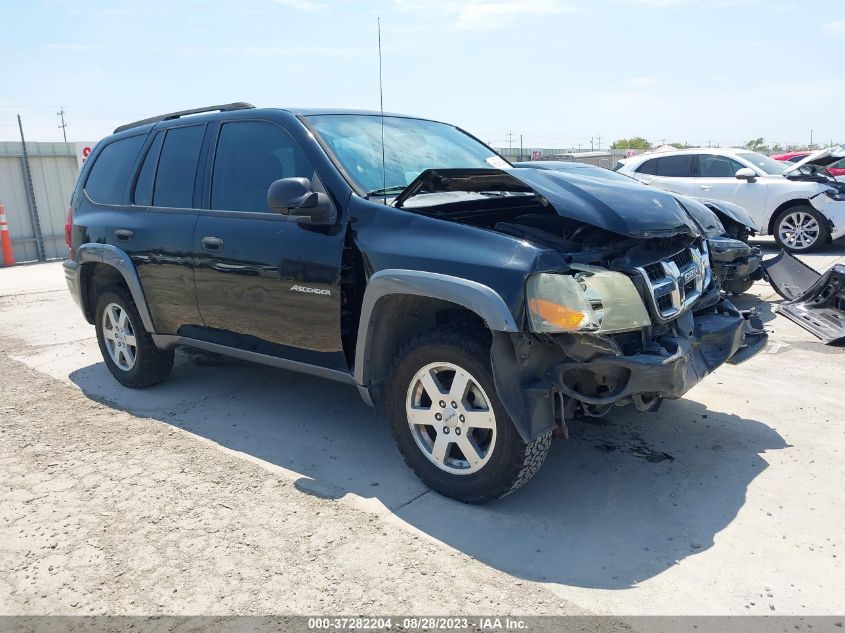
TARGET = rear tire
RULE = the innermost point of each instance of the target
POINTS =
(128, 349)
(801, 229)
(431, 373)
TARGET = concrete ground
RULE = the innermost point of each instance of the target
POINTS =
(235, 488)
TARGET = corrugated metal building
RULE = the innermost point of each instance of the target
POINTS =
(54, 170)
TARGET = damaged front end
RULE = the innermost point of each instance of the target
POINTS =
(629, 313)
(567, 375)
(736, 265)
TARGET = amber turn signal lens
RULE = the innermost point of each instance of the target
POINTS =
(558, 315)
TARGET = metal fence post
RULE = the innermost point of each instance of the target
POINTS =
(33, 205)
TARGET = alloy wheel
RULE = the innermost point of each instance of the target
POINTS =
(799, 230)
(119, 336)
(451, 418)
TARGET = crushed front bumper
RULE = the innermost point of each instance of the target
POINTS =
(735, 264)
(540, 378)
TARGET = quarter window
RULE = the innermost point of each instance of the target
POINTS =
(144, 184)
(177, 167)
(250, 156)
(109, 175)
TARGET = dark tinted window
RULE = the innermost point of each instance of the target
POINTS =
(177, 167)
(250, 156)
(144, 184)
(109, 175)
(674, 166)
(648, 167)
(710, 166)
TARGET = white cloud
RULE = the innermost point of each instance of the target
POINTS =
(487, 15)
(302, 5)
(837, 27)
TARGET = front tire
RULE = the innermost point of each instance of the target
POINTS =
(801, 229)
(450, 425)
(128, 349)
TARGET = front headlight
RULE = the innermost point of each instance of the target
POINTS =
(839, 196)
(593, 300)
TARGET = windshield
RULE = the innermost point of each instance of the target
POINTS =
(764, 163)
(596, 172)
(410, 147)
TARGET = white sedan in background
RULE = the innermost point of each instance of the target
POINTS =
(801, 204)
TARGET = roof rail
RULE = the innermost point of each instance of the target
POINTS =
(226, 107)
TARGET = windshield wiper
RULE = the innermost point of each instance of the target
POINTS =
(386, 191)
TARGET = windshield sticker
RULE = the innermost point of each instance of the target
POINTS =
(498, 162)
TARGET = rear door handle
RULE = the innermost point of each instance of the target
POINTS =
(124, 235)
(706, 187)
(212, 243)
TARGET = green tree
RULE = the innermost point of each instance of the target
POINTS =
(757, 145)
(637, 142)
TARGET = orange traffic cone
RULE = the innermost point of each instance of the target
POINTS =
(5, 239)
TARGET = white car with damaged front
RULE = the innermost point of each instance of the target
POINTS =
(801, 205)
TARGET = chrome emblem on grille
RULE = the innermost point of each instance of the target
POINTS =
(684, 277)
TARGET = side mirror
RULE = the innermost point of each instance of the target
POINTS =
(294, 197)
(746, 173)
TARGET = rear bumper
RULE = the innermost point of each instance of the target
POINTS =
(72, 269)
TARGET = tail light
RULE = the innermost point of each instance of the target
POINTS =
(68, 227)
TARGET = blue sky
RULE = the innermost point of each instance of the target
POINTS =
(556, 71)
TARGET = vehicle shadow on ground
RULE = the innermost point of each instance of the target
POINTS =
(619, 502)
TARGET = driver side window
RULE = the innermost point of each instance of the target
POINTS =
(710, 166)
(250, 156)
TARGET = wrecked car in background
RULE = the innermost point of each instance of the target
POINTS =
(736, 264)
(802, 213)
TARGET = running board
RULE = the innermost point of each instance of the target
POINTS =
(166, 341)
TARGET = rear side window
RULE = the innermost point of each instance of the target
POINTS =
(667, 166)
(177, 167)
(250, 156)
(648, 167)
(109, 175)
(144, 184)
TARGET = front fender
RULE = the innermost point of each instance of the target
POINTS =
(476, 297)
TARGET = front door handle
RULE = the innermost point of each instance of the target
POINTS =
(706, 187)
(124, 235)
(212, 243)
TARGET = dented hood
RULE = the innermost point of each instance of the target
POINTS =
(626, 209)
(822, 158)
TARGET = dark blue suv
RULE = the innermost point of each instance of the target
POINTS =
(480, 306)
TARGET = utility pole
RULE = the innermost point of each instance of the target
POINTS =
(510, 139)
(591, 144)
(520, 147)
(30, 194)
(811, 138)
(598, 140)
(61, 115)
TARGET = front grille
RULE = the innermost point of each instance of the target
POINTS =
(682, 259)
(675, 283)
(654, 271)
